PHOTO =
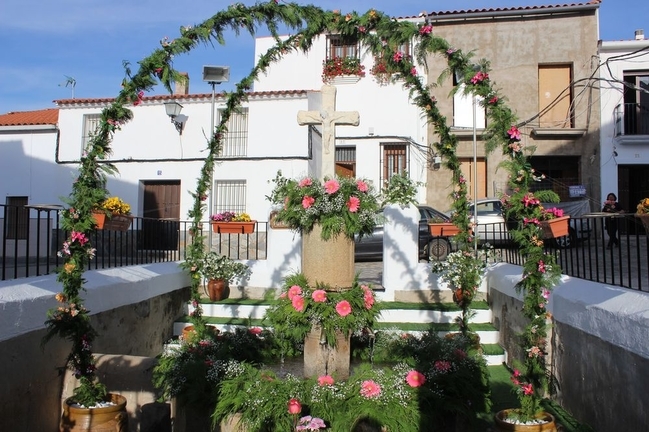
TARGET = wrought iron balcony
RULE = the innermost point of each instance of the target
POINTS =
(631, 119)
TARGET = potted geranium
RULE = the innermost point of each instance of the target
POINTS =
(232, 223)
(220, 270)
(340, 66)
(112, 214)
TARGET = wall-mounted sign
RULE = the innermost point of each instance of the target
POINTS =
(577, 191)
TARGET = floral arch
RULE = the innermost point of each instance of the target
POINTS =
(381, 35)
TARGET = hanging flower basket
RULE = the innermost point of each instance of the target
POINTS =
(443, 229)
(554, 228)
(234, 227)
(116, 222)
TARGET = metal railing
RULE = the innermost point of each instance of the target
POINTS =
(33, 251)
(631, 119)
(587, 255)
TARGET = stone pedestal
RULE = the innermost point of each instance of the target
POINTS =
(330, 262)
(322, 359)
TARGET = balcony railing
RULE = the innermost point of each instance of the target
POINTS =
(631, 119)
(31, 238)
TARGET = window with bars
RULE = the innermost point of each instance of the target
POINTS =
(395, 160)
(340, 46)
(90, 125)
(229, 195)
(346, 161)
(235, 141)
(17, 218)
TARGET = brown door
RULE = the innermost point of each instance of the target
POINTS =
(161, 212)
(466, 165)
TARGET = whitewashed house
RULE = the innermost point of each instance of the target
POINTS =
(624, 84)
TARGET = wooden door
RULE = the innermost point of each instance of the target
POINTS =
(466, 165)
(555, 96)
(161, 212)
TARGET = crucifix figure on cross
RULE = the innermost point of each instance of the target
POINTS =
(328, 117)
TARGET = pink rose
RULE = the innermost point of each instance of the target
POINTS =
(298, 303)
(331, 186)
(307, 202)
(415, 378)
(353, 203)
(319, 296)
(294, 406)
(343, 308)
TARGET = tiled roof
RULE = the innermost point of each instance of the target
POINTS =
(30, 118)
(542, 8)
(180, 97)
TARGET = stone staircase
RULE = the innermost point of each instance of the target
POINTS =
(248, 309)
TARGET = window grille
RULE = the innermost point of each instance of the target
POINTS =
(395, 160)
(235, 141)
(229, 195)
(90, 126)
(340, 46)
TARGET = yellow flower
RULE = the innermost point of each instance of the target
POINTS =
(69, 267)
(242, 217)
(643, 207)
(116, 205)
(60, 297)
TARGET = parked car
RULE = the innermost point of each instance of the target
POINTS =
(370, 248)
(493, 229)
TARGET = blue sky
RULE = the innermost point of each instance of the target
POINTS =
(88, 40)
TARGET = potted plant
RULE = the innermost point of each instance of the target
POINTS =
(340, 66)
(642, 212)
(554, 223)
(232, 223)
(220, 270)
(112, 214)
(438, 227)
(400, 190)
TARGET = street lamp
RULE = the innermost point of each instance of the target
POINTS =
(213, 75)
(173, 109)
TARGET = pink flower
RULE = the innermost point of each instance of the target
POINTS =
(319, 296)
(514, 133)
(413, 71)
(545, 293)
(369, 299)
(343, 308)
(398, 56)
(305, 182)
(294, 291)
(331, 186)
(424, 30)
(307, 202)
(255, 330)
(294, 406)
(353, 203)
(370, 389)
(460, 354)
(479, 77)
(298, 303)
(493, 100)
(528, 389)
(442, 365)
(362, 186)
(362, 29)
(541, 266)
(415, 378)
(325, 380)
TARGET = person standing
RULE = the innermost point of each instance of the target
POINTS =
(611, 224)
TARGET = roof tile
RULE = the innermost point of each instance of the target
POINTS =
(30, 118)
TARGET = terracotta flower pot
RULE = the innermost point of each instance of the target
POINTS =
(234, 227)
(443, 229)
(106, 419)
(217, 289)
(556, 227)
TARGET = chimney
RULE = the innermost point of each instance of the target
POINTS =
(639, 34)
(182, 85)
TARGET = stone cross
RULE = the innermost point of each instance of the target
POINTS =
(328, 117)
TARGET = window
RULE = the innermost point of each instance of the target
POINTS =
(90, 125)
(235, 141)
(346, 161)
(463, 109)
(17, 218)
(395, 158)
(340, 46)
(555, 96)
(229, 195)
(636, 103)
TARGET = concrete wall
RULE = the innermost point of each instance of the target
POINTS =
(133, 309)
(598, 354)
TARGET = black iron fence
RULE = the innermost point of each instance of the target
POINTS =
(31, 239)
(585, 253)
